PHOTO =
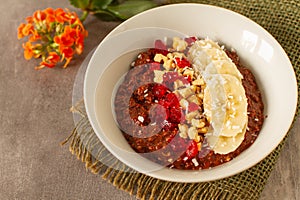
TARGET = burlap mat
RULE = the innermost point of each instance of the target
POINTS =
(282, 20)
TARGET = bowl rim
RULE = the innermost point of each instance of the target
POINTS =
(122, 27)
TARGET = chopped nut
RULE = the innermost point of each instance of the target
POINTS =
(177, 94)
(197, 138)
(194, 88)
(194, 99)
(183, 128)
(203, 130)
(191, 115)
(178, 55)
(178, 84)
(198, 82)
(188, 72)
(179, 44)
(186, 92)
(158, 76)
(184, 103)
(201, 125)
(159, 57)
(197, 123)
(199, 145)
(167, 60)
(183, 135)
(200, 96)
(192, 132)
(168, 64)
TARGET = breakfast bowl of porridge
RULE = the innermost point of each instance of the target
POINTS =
(190, 98)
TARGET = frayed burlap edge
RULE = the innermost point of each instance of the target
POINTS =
(246, 185)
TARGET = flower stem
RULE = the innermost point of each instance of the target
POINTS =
(84, 15)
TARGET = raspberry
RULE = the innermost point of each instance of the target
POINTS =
(170, 77)
(172, 100)
(159, 91)
(160, 45)
(175, 115)
(190, 40)
(192, 150)
(154, 66)
(178, 144)
(182, 63)
(193, 107)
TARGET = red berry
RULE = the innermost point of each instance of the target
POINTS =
(186, 80)
(190, 40)
(154, 66)
(172, 100)
(175, 115)
(182, 62)
(160, 45)
(178, 144)
(159, 91)
(193, 107)
(170, 76)
(192, 150)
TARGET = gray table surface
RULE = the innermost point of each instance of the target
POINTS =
(35, 118)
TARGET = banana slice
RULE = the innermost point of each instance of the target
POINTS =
(225, 145)
(225, 105)
(225, 66)
(209, 58)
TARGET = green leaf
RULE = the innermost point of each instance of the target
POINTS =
(100, 4)
(82, 4)
(105, 15)
(127, 9)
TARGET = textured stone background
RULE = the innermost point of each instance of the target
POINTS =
(35, 118)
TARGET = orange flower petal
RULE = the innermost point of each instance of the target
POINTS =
(45, 64)
(39, 15)
(20, 31)
(53, 57)
(29, 19)
(50, 15)
(28, 29)
(68, 60)
(68, 52)
(35, 36)
(28, 50)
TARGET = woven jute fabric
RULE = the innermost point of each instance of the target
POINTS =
(282, 19)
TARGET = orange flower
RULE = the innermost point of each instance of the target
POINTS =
(53, 35)
(62, 16)
(45, 64)
(24, 30)
(50, 62)
(35, 36)
(53, 57)
(64, 40)
(79, 42)
(50, 15)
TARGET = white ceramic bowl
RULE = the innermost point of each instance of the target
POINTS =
(257, 49)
